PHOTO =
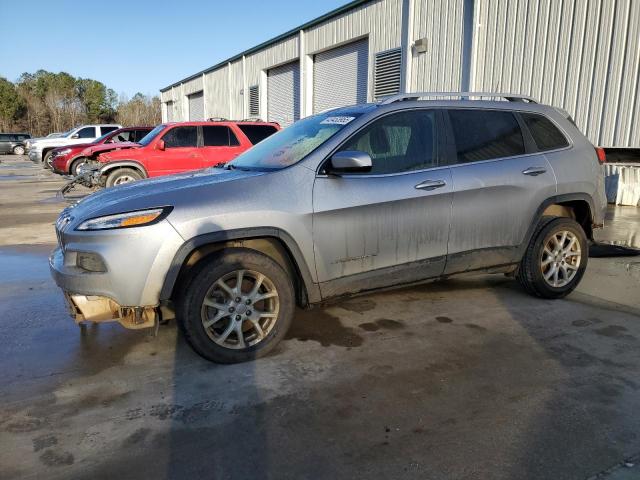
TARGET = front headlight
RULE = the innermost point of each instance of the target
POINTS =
(126, 220)
(63, 152)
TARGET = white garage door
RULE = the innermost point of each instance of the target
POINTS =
(283, 94)
(340, 76)
(196, 106)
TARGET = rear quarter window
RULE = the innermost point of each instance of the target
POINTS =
(257, 133)
(544, 132)
(485, 134)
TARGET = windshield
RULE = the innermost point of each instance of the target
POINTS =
(100, 139)
(67, 133)
(148, 138)
(292, 144)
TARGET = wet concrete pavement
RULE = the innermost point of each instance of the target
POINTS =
(469, 378)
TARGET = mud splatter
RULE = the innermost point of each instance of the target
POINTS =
(358, 305)
(55, 458)
(44, 441)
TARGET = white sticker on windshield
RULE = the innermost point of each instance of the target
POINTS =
(336, 120)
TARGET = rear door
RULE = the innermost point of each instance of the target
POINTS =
(219, 145)
(499, 182)
(180, 154)
(390, 225)
(5, 143)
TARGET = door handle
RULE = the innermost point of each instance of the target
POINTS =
(431, 184)
(534, 171)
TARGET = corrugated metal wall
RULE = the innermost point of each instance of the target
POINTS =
(581, 55)
(440, 67)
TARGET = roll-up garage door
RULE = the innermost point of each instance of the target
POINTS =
(283, 94)
(196, 106)
(340, 76)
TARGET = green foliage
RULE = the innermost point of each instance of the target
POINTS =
(43, 102)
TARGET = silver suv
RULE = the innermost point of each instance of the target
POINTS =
(345, 201)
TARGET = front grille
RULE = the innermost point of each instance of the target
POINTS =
(61, 224)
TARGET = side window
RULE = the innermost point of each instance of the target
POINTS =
(22, 138)
(485, 134)
(181, 137)
(87, 132)
(140, 134)
(399, 142)
(218, 136)
(108, 129)
(4, 137)
(257, 133)
(544, 132)
(122, 137)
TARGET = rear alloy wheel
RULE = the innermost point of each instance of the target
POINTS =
(122, 176)
(19, 150)
(555, 259)
(237, 306)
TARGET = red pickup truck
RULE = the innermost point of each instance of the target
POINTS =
(179, 147)
(66, 160)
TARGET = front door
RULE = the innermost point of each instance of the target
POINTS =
(499, 184)
(219, 145)
(390, 225)
(180, 154)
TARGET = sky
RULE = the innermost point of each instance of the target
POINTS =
(140, 45)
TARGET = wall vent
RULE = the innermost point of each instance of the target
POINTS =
(387, 73)
(254, 101)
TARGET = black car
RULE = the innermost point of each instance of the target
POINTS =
(13, 142)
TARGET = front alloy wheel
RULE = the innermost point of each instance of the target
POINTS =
(561, 258)
(19, 150)
(235, 305)
(240, 309)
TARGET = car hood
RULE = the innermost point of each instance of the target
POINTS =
(51, 142)
(77, 146)
(151, 193)
(110, 146)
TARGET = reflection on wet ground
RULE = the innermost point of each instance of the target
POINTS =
(622, 227)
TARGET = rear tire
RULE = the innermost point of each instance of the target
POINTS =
(121, 176)
(19, 150)
(555, 259)
(219, 320)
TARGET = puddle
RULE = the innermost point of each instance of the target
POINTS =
(24, 263)
(601, 249)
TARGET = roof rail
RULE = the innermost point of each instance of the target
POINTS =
(217, 119)
(511, 97)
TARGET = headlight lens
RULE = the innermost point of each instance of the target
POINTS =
(125, 220)
(63, 152)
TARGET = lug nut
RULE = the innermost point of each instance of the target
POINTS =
(248, 302)
(248, 313)
(238, 299)
(231, 309)
(238, 317)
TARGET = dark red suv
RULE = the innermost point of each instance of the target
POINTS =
(66, 160)
(179, 147)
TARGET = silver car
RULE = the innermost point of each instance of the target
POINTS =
(345, 201)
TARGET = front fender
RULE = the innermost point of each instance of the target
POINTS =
(124, 164)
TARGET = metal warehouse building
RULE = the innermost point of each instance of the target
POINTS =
(581, 55)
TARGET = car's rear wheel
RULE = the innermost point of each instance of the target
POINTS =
(236, 306)
(48, 158)
(121, 176)
(73, 168)
(18, 150)
(555, 259)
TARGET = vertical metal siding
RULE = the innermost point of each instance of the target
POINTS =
(217, 93)
(192, 86)
(440, 67)
(236, 96)
(278, 54)
(581, 55)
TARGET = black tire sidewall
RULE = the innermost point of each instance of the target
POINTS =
(46, 162)
(75, 164)
(201, 279)
(555, 225)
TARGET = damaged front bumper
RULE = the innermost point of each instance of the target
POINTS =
(91, 308)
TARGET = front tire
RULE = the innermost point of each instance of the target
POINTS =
(46, 162)
(19, 150)
(121, 176)
(555, 259)
(73, 168)
(236, 306)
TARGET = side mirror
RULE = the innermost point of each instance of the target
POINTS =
(349, 161)
(75, 135)
(160, 145)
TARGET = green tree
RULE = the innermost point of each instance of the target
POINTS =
(11, 104)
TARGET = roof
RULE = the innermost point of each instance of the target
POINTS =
(289, 33)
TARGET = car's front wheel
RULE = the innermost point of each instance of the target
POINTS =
(121, 176)
(18, 150)
(73, 168)
(48, 158)
(555, 259)
(236, 306)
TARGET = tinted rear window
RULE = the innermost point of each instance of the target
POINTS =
(546, 135)
(485, 134)
(181, 137)
(218, 136)
(257, 133)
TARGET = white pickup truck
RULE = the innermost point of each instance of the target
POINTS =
(39, 149)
